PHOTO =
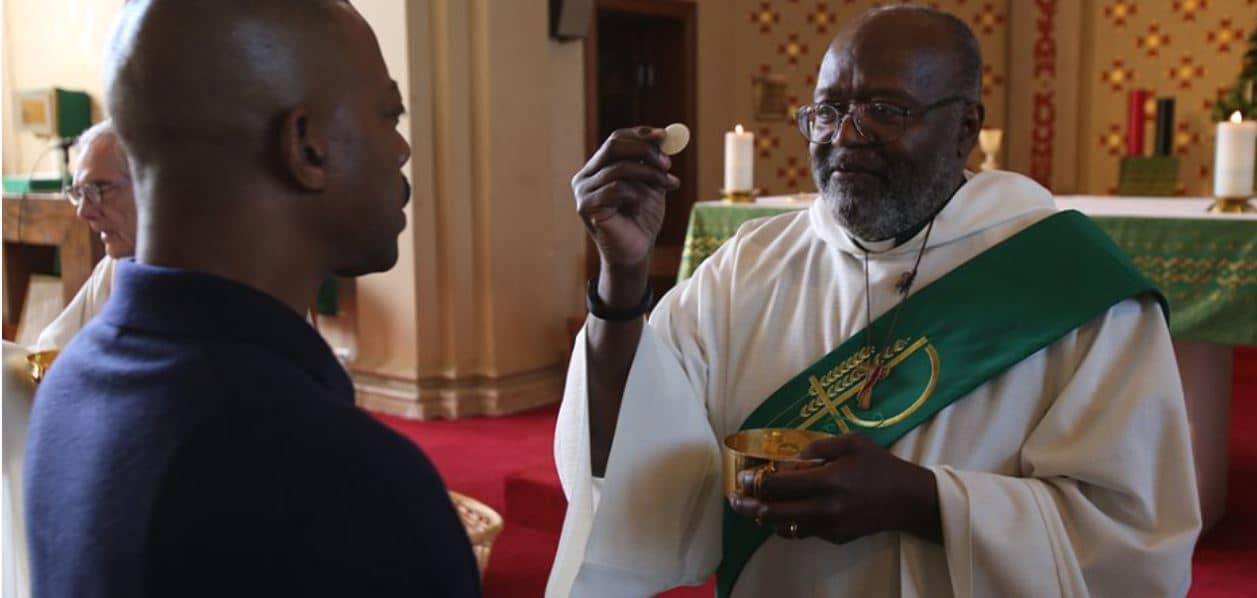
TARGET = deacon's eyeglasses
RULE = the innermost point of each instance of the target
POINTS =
(875, 122)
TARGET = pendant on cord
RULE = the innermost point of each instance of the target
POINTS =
(876, 373)
(905, 283)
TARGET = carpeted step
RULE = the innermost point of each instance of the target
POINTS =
(520, 563)
(534, 499)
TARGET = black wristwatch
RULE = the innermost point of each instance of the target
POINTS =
(602, 311)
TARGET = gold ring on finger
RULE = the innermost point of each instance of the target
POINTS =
(757, 485)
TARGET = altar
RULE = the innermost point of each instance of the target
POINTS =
(1205, 264)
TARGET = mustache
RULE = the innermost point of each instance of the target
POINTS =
(852, 161)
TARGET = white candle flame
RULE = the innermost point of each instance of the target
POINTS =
(738, 129)
(1236, 117)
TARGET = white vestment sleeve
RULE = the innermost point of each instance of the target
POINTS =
(87, 302)
(653, 522)
(1106, 504)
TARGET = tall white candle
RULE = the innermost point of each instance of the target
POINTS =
(1234, 158)
(739, 160)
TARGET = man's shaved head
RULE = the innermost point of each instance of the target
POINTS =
(259, 128)
(198, 79)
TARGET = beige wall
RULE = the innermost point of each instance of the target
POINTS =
(385, 302)
(46, 43)
(723, 95)
(497, 112)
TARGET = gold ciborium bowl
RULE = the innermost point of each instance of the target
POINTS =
(37, 363)
(774, 449)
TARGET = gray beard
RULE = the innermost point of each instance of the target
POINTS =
(905, 200)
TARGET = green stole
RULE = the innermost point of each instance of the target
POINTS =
(964, 329)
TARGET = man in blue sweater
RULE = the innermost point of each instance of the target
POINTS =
(198, 438)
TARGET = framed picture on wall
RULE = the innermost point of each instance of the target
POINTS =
(768, 97)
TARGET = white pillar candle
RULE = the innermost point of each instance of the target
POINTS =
(1234, 156)
(739, 160)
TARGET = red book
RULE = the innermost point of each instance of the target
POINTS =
(1135, 101)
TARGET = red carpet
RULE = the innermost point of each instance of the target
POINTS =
(508, 463)
(1225, 564)
(475, 456)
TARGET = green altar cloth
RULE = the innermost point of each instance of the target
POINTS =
(714, 222)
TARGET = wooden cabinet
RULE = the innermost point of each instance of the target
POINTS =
(34, 225)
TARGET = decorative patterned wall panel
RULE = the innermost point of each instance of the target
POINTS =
(789, 38)
(1187, 49)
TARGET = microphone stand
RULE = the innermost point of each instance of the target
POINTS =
(64, 144)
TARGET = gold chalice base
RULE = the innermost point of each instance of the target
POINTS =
(778, 448)
(37, 363)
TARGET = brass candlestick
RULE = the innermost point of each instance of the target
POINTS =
(1231, 205)
(739, 196)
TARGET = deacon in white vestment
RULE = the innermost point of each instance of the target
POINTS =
(1069, 474)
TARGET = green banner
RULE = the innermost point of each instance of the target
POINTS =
(959, 332)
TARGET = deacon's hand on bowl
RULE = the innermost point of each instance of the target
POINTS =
(763, 450)
(858, 489)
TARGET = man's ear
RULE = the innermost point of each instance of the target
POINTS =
(303, 149)
(971, 121)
